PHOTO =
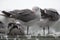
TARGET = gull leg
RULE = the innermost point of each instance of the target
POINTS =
(43, 30)
(27, 30)
(48, 30)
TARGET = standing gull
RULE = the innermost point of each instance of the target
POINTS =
(28, 17)
(50, 17)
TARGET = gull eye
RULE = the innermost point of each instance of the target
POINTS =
(10, 15)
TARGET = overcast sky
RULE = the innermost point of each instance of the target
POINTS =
(23, 4)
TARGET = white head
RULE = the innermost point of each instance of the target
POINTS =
(36, 10)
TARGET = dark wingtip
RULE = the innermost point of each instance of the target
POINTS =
(6, 13)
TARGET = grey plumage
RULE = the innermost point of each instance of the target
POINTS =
(24, 15)
(51, 14)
